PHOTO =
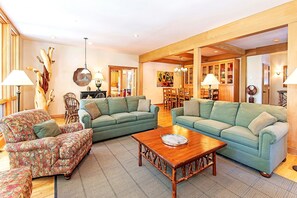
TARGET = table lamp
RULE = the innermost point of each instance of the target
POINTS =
(98, 77)
(292, 80)
(17, 78)
(209, 80)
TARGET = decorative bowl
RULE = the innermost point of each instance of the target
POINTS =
(174, 139)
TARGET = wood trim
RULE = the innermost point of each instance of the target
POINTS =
(270, 19)
(4, 19)
(140, 79)
(221, 57)
(187, 55)
(243, 79)
(169, 61)
(228, 48)
(267, 49)
(196, 72)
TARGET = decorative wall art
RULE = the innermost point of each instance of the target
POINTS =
(42, 80)
(165, 79)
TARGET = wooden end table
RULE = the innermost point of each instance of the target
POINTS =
(192, 158)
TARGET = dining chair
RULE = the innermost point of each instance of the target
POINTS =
(72, 107)
(181, 97)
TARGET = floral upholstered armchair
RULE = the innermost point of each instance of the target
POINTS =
(49, 155)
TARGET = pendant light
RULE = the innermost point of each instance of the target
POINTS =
(85, 70)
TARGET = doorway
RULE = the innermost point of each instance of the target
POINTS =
(265, 83)
(122, 81)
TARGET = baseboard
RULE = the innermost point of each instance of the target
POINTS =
(58, 116)
(292, 150)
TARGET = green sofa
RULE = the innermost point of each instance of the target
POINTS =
(119, 117)
(229, 121)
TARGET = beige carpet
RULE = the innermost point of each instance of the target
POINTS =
(111, 170)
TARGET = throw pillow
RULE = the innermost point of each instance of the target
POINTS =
(191, 108)
(144, 105)
(48, 128)
(260, 122)
(93, 110)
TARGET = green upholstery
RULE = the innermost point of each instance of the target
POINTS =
(142, 115)
(241, 135)
(103, 120)
(100, 102)
(117, 105)
(211, 126)
(124, 117)
(247, 112)
(188, 120)
(132, 102)
(205, 107)
(229, 123)
(221, 109)
(116, 119)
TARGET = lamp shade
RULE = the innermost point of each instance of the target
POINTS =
(98, 76)
(210, 79)
(292, 79)
(17, 77)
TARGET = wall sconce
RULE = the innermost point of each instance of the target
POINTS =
(278, 72)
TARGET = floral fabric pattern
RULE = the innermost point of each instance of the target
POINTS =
(16, 183)
(46, 156)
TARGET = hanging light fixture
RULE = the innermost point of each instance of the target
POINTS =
(85, 70)
(181, 68)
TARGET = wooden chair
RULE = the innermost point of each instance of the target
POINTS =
(181, 96)
(72, 107)
(166, 97)
(172, 98)
(68, 95)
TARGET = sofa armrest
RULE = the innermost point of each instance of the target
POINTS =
(72, 127)
(274, 132)
(38, 144)
(176, 112)
(85, 118)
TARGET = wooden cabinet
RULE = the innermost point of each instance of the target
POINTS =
(188, 77)
(227, 72)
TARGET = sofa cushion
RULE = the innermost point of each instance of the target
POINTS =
(211, 126)
(191, 108)
(100, 102)
(144, 105)
(123, 117)
(103, 120)
(260, 122)
(143, 115)
(48, 128)
(71, 143)
(93, 110)
(241, 135)
(249, 111)
(117, 105)
(187, 120)
(205, 107)
(224, 112)
(132, 102)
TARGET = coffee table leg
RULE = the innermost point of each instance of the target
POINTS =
(214, 166)
(139, 154)
(173, 183)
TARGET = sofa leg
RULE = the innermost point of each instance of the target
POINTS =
(265, 174)
(285, 160)
(67, 176)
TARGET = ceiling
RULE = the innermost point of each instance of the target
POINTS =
(130, 26)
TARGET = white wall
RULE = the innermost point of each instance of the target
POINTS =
(254, 75)
(67, 60)
(150, 89)
(277, 61)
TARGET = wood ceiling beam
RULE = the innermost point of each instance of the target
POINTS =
(186, 55)
(279, 16)
(267, 49)
(169, 61)
(222, 57)
(228, 48)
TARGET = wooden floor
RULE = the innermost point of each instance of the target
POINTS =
(44, 187)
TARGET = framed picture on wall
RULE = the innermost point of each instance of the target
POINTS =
(165, 79)
(285, 74)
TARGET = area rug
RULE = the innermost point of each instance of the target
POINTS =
(111, 170)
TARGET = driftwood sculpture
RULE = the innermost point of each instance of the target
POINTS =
(42, 80)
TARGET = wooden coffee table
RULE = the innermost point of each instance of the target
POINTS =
(195, 156)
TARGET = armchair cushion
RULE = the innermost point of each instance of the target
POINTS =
(47, 129)
(93, 110)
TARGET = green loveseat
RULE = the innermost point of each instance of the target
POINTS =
(229, 121)
(119, 117)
